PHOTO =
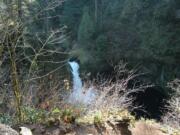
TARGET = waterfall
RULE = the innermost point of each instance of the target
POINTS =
(77, 83)
(79, 94)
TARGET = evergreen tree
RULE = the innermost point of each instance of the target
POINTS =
(72, 13)
(86, 29)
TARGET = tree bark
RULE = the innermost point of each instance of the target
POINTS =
(15, 80)
(96, 10)
(19, 4)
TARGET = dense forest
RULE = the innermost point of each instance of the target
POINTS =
(134, 41)
(139, 32)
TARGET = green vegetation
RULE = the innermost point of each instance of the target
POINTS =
(39, 37)
(86, 29)
(6, 119)
(141, 32)
(33, 115)
(113, 115)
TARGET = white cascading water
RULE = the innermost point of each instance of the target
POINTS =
(77, 94)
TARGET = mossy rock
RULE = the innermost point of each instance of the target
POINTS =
(80, 54)
(113, 115)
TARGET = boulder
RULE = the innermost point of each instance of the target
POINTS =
(7, 130)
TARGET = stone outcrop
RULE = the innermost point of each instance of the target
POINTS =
(142, 128)
(111, 122)
(7, 130)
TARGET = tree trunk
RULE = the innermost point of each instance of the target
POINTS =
(96, 11)
(15, 81)
(12, 38)
(19, 4)
(46, 21)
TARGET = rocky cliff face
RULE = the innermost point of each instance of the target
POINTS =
(111, 122)
(107, 128)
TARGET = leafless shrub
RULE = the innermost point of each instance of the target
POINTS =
(117, 92)
(23, 78)
(172, 117)
(43, 88)
(45, 93)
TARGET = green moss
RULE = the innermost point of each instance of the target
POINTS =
(98, 117)
(6, 119)
(64, 115)
(106, 115)
(33, 115)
